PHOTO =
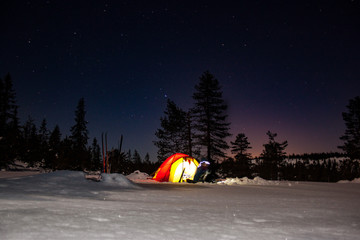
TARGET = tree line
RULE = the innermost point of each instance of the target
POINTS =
(41, 147)
(200, 131)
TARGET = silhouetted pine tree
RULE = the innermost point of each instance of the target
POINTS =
(175, 132)
(136, 159)
(95, 160)
(211, 117)
(13, 136)
(351, 137)
(67, 155)
(147, 158)
(54, 148)
(79, 132)
(31, 144)
(9, 123)
(44, 132)
(240, 148)
(44, 141)
(148, 166)
(79, 138)
(273, 156)
(7, 103)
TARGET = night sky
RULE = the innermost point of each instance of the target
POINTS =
(285, 66)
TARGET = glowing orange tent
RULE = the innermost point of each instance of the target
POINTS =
(176, 168)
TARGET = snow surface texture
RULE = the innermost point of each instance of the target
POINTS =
(245, 180)
(64, 205)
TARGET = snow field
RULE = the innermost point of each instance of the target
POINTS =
(63, 205)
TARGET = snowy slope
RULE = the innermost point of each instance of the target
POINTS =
(63, 205)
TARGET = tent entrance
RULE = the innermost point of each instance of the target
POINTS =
(181, 170)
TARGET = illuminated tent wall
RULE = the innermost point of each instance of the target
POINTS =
(177, 168)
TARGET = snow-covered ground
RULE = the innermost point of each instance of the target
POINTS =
(64, 205)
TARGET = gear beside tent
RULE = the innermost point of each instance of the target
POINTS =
(177, 168)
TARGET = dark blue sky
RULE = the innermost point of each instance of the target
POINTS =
(285, 66)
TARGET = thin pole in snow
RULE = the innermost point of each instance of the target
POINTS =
(107, 156)
(103, 154)
(121, 140)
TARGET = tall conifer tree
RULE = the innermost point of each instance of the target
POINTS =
(8, 106)
(211, 117)
(79, 138)
(9, 123)
(175, 132)
(351, 137)
(79, 132)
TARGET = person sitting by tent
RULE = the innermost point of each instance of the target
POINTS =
(201, 172)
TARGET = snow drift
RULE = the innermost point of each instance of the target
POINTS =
(247, 181)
